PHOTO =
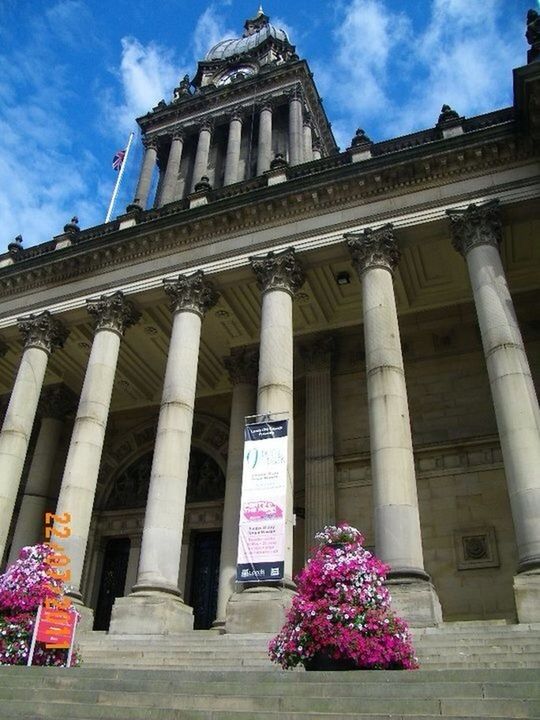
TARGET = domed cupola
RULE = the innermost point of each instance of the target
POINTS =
(261, 46)
(257, 31)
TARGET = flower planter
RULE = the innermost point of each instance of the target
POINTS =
(322, 661)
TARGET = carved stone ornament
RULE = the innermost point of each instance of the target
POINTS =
(235, 114)
(374, 249)
(208, 125)
(203, 185)
(150, 143)
(477, 225)
(533, 35)
(113, 312)
(448, 117)
(317, 355)
(179, 134)
(279, 271)
(360, 139)
(191, 293)
(15, 248)
(242, 366)
(278, 162)
(57, 401)
(43, 331)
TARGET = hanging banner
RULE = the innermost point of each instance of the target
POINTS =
(261, 538)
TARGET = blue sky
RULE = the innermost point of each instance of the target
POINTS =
(75, 73)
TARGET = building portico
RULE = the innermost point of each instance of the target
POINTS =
(324, 286)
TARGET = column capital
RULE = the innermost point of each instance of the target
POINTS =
(374, 249)
(178, 133)
(235, 114)
(56, 401)
(191, 293)
(279, 271)
(476, 225)
(43, 331)
(207, 124)
(266, 103)
(242, 365)
(113, 312)
(150, 142)
(317, 355)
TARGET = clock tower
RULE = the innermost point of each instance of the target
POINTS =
(252, 106)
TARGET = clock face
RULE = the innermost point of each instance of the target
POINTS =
(241, 72)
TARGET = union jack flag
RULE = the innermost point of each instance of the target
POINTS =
(118, 159)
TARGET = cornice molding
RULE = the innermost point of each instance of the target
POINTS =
(252, 204)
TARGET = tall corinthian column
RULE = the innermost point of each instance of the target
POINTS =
(147, 169)
(232, 160)
(242, 368)
(201, 156)
(261, 608)
(42, 334)
(296, 130)
(398, 539)
(112, 315)
(155, 605)
(173, 168)
(264, 147)
(477, 235)
(56, 402)
(319, 488)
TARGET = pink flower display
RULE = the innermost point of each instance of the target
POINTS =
(23, 587)
(342, 609)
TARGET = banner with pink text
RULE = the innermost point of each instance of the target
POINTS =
(261, 539)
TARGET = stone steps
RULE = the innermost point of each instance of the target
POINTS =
(245, 695)
(469, 644)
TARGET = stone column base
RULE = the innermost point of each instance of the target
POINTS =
(150, 612)
(415, 601)
(258, 610)
(86, 621)
(527, 596)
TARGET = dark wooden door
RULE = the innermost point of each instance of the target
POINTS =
(113, 580)
(204, 578)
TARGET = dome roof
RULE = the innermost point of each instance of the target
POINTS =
(258, 29)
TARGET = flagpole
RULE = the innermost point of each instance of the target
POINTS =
(118, 179)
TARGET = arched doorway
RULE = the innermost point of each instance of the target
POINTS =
(119, 546)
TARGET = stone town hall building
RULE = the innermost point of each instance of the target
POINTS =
(384, 299)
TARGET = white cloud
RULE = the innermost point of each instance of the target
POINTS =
(43, 172)
(147, 74)
(386, 78)
(210, 30)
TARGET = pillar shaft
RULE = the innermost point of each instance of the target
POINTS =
(320, 502)
(296, 131)
(232, 160)
(398, 538)
(29, 529)
(113, 314)
(279, 276)
(164, 519)
(173, 168)
(242, 369)
(41, 334)
(264, 148)
(308, 142)
(147, 169)
(201, 156)
(477, 233)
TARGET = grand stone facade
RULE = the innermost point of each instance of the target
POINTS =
(272, 274)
